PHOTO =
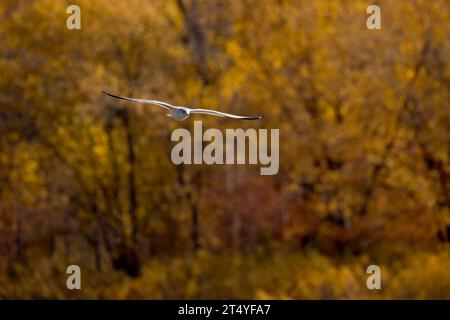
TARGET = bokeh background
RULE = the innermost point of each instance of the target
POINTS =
(364, 149)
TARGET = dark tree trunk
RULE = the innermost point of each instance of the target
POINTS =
(128, 259)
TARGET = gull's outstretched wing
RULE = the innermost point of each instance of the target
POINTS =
(223, 114)
(155, 102)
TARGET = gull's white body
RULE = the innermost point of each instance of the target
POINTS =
(180, 113)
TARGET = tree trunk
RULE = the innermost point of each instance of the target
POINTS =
(128, 258)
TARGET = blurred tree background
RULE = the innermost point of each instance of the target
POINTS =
(364, 149)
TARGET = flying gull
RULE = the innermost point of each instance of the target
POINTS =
(180, 113)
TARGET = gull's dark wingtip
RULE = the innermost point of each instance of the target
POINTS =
(254, 118)
(113, 95)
